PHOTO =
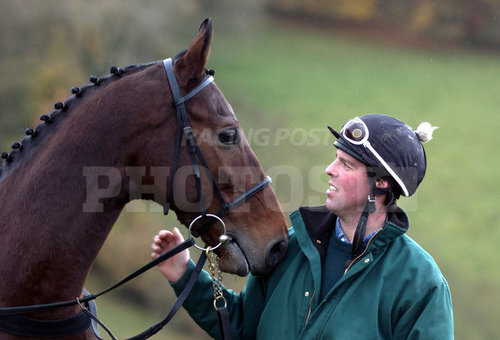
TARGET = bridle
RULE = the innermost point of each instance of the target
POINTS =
(10, 320)
(196, 154)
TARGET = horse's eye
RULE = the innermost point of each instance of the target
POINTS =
(229, 136)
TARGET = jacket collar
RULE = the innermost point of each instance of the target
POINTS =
(397, 225)
(320, 223)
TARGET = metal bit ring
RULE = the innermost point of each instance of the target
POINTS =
(223, 234)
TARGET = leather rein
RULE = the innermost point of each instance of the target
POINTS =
(13, 323)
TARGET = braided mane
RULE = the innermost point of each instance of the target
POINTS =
(22, 151)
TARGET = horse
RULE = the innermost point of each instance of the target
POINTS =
(112, 141)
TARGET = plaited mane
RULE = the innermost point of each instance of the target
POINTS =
(22, 151)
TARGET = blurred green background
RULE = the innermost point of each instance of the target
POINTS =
(289, 68)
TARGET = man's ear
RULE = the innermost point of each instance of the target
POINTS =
(381, 183)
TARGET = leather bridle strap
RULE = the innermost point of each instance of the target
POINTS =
(183, 127)
(18, 325)
(195, 152)
(24, 326)
(178, 303)
(6, 311)
(233, 204)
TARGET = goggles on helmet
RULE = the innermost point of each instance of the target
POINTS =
(356, 132)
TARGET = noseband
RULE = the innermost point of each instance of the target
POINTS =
(196, 154)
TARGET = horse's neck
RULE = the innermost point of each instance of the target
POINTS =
(50, 237)
(51, 240)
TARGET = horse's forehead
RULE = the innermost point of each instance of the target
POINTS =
(231, 111)
(218, 102)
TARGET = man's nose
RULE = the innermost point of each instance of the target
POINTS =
(330, 170)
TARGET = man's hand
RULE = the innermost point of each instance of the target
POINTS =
(174, 267)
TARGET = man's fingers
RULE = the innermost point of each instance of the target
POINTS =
(165, 240)
(177, 235)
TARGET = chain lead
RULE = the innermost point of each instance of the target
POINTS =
(216, 275)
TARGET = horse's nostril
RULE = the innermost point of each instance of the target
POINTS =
(276, 252)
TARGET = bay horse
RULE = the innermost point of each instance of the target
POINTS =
(63, 187)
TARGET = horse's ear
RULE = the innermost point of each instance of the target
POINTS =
(192, 64)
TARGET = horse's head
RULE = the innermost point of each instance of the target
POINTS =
(257, 229)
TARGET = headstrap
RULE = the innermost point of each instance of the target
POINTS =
(183, 126)
(197, 155)
(174, 86)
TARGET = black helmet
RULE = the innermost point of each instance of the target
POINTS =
(390, 148)
(389, 145)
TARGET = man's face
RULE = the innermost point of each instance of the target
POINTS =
(348, 185)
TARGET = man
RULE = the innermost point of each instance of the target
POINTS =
(350, 271)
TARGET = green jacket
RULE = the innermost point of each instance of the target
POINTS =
(394, 290)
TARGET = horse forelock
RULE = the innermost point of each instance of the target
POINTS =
(35, 138)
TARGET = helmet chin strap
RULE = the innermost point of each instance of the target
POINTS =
(359, 235)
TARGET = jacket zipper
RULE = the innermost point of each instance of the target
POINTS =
(364, 251)
(349, 267)
(310, 307)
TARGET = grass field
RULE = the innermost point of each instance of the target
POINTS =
(286, 84)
